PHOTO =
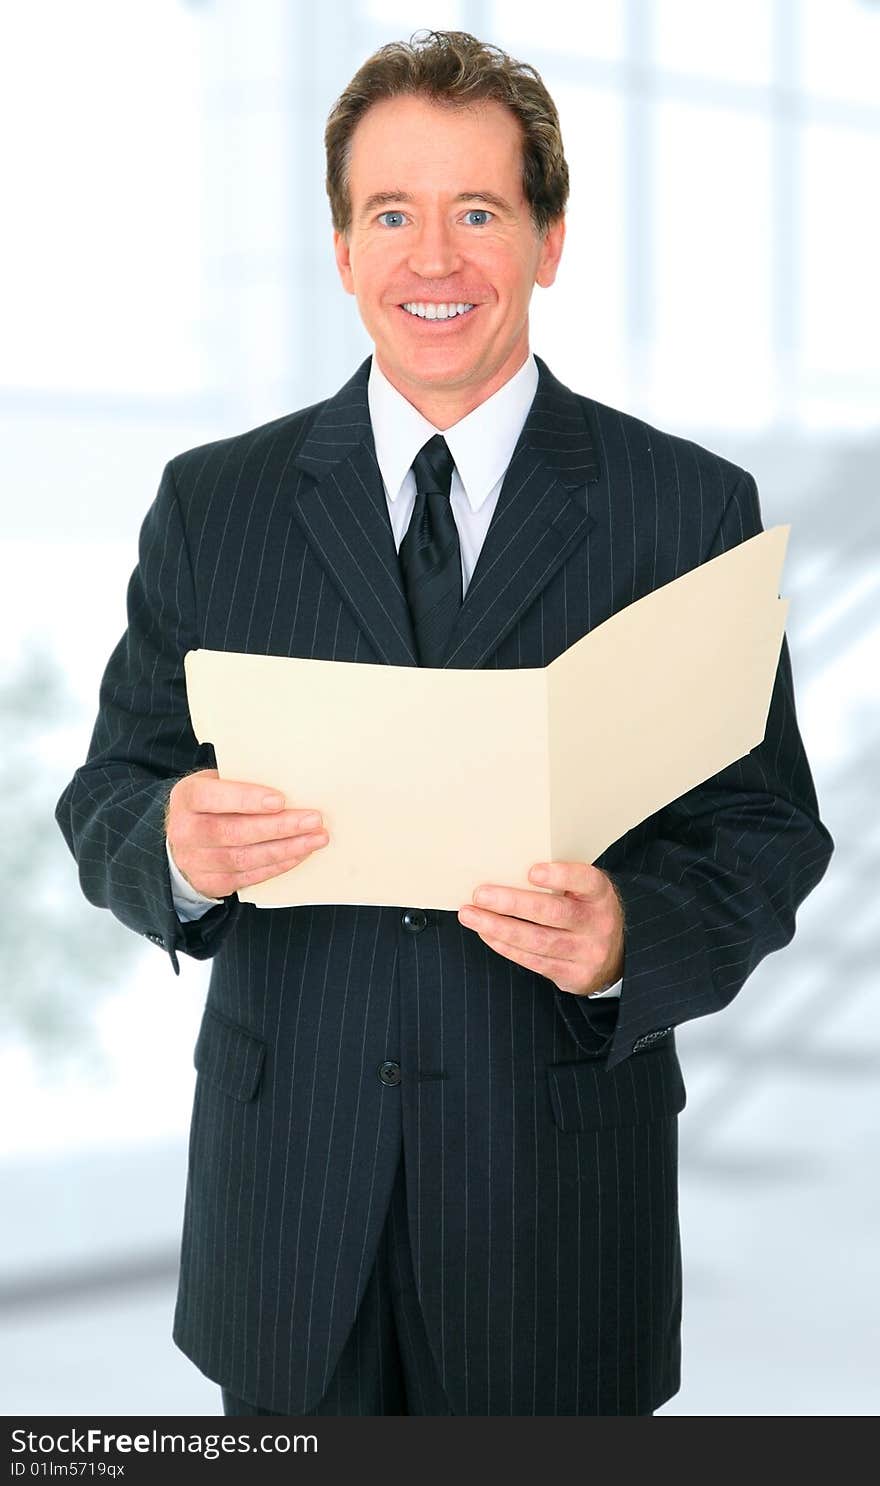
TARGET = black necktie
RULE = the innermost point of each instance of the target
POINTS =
(430, 559)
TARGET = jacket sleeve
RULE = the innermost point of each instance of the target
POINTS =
(715, 884)
(112, 813)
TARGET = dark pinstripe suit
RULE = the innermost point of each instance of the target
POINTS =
(539, 1132)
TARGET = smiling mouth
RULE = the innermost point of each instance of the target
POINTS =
(437, 314)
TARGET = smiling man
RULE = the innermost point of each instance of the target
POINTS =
(433, 1158)
(443, 275)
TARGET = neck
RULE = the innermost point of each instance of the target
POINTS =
(445, 405)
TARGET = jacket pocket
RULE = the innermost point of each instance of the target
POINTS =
(229, 1056)
(646, 1086)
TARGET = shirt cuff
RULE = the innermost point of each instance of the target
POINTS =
(612, 990)
(188, 903)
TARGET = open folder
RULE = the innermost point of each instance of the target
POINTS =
(431, 781)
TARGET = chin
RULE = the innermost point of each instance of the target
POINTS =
(438, 372)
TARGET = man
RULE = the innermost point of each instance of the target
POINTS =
(432, 1165)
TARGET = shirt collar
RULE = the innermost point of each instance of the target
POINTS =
(481, 443)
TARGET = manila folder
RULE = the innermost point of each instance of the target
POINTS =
(431, 781)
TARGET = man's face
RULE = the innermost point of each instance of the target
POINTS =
(439, 218)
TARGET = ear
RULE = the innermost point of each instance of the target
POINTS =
(343, 261)
(551, 252)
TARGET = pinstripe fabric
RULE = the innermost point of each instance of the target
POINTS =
(539, 1132)
(386, 1365)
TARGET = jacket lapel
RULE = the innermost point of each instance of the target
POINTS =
(344, 515)
(540, 518)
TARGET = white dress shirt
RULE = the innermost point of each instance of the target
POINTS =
(481, 444)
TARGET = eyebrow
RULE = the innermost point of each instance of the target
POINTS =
(385, 198)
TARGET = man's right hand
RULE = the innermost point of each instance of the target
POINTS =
(224, 835)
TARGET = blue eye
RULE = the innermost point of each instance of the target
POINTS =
(478, 211)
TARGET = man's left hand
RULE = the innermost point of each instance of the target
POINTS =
(573, 935)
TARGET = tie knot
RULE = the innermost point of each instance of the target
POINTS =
(433, 466)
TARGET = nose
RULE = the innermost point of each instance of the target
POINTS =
(433, 252)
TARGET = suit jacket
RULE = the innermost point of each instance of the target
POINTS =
(539, 1131)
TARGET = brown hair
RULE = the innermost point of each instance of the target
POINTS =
(453, 69)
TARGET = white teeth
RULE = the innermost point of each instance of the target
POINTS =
(436, 311)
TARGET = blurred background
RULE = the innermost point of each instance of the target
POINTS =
(168, 280)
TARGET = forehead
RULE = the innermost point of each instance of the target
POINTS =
(413, 143)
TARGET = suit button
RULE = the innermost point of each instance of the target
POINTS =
(414, 920)
(389, 1073)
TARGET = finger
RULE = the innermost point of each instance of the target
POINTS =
(221, 884)
(548, 965)
(235, 859)
(548, 943)
(571, 877)
(538, 908)
(245, 830)
(223, 796)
